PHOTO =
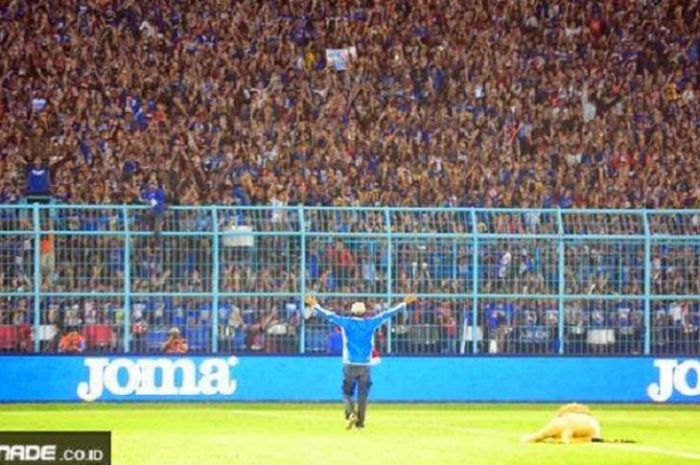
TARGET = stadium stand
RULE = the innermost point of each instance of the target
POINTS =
(529, 104)
(361, 104)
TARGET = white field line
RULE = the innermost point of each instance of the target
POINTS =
(652, 450)
(499, 433)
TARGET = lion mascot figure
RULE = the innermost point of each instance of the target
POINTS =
(573, 423)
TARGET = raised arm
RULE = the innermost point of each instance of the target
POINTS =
(387, 314)
(313, 305)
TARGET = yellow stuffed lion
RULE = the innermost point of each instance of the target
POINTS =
(573, 423)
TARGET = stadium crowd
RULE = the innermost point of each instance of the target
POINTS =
(441, 102)
(529, 103)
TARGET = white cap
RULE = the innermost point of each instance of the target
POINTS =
(358, 308)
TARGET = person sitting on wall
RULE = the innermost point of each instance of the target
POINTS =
(71, 342)
(154, 195)
(176, 344)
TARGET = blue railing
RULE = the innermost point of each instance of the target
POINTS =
(490, 280)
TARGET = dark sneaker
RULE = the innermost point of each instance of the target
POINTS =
(359, 425)
(351, 421)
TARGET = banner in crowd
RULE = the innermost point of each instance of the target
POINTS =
(339, 58)
(310, 379)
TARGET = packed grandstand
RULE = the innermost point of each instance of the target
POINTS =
(427, 103)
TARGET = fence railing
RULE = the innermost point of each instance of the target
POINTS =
(117, 278)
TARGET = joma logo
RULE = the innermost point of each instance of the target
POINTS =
(675, 376)
(157, 377)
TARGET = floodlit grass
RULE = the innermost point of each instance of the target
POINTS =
(303, 434)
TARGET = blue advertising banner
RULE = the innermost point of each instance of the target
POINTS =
(311, 379)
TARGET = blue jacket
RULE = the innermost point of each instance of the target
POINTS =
(155, 197)
(358, 333)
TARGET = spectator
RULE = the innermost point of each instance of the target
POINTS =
(154, 195)
(175, 344)
(71, 342)
(38, 179)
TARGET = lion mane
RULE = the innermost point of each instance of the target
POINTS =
(573, 408)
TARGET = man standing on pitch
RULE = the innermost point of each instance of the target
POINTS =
(358, 342)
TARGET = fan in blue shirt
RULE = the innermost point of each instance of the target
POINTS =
(39, 176)
(154, 195)
(38, 181)
(358, 344)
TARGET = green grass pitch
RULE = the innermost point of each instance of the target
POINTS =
(304, 434)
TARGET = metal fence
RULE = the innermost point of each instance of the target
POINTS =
(233, 279)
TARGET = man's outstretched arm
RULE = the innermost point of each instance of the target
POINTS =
(313, 305)
(387, 314)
